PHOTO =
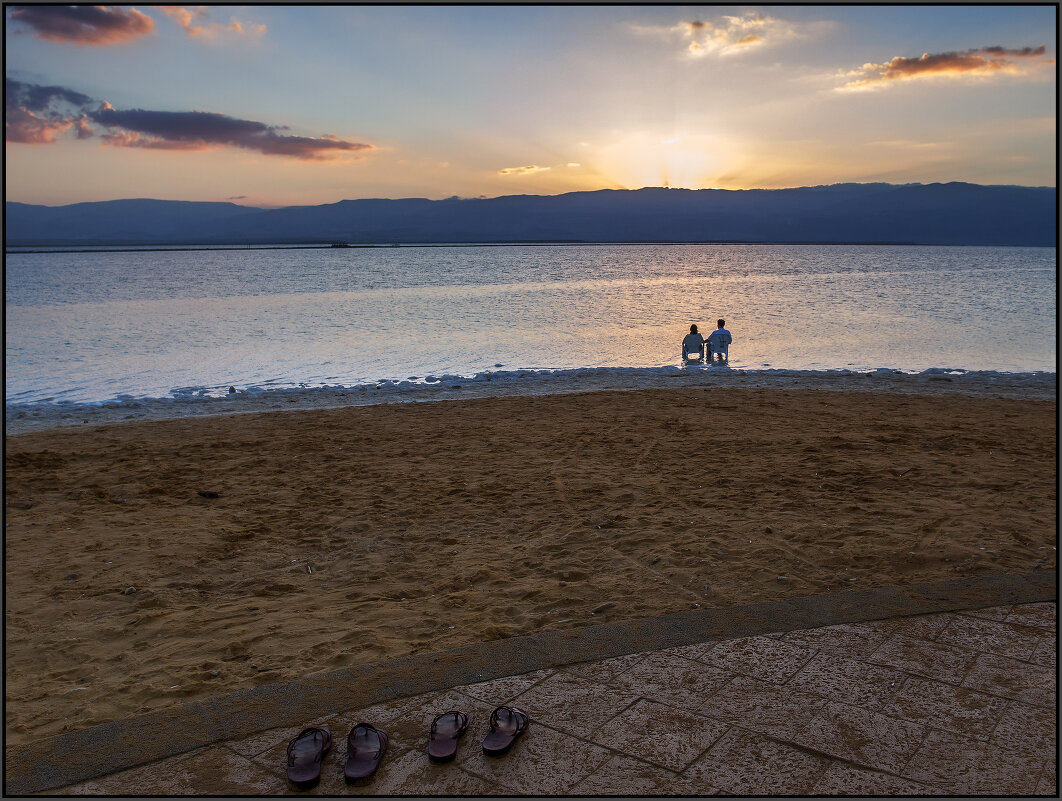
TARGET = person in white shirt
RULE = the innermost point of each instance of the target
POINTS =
(719, 343)
(692, 343)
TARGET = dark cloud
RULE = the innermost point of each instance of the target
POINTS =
(83, 25)
(40, 114)
(35, 114)
(40, 98)
(200, 130)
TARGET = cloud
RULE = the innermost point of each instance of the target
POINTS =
(193, 19)
(528, 170)
(726, 35)
(83, 25)
(202, 130)
(41, 114)
(978, 62)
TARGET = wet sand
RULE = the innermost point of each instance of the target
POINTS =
(151, 563)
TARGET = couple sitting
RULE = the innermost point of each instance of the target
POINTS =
(718, 343)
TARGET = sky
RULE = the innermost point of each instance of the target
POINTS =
(304, 105)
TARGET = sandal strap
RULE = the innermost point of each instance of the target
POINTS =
(457, 719)
(312, 730)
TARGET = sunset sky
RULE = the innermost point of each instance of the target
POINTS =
(289, 105)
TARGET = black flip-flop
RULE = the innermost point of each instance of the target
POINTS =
(366, 746)
(446, 729)
(506, 724)
(305, 752)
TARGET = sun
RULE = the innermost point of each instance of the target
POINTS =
(650, 158)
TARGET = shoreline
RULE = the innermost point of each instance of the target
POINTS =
(26, 418)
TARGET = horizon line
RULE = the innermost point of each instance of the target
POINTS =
(527, 194)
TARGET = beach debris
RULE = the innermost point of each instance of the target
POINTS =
(784, 578)
(768, 530)
(208, 493)
(905, 472)
(602, 607)
(73, 576)
(129, 591)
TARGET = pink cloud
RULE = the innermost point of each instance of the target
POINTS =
(978, 61)
(84, 25)
(193, 19)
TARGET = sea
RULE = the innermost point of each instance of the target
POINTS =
(141, 326)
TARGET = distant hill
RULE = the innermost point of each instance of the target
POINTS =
(934, 214)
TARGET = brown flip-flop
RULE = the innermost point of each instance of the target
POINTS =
(366, 746)
(305, 752)
(506, 724)
(446, 729)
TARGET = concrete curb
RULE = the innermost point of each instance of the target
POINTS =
(110, 747)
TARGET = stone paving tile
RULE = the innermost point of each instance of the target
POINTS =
(944, 706)
(606, 669)
(745, 763)
(1048, 784)
(917, 627)
(211, 770)
(991, 613)
(141, 780)
(852, 640)
(219, 771)
(543, 761)
(622, 775)
(412, 773)
(573, 704)
(1010, 678)
(409, 728)
(1042, 615)
(504, 690)
(931, 660)
(263, 741)
(962, 766)
(844, 779)
(1027, 728)
(672, 679)
(992, 637)
(855, 681)
(858, 735)
(763, 707)
(760, 657)
(665, 736)
(1046, 652)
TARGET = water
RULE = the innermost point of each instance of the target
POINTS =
(87, 328)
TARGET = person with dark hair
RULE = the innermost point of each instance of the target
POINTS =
(692, 343)
(719, 343)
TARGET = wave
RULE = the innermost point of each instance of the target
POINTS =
(194, 401)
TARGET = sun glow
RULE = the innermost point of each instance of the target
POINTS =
(644, 158)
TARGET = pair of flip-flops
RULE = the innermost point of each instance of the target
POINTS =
(366, 746)
(506, 724)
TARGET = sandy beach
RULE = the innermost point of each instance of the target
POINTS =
(152, 562)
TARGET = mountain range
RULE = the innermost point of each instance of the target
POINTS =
(930, 214)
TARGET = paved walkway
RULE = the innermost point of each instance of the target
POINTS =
(959, 701)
